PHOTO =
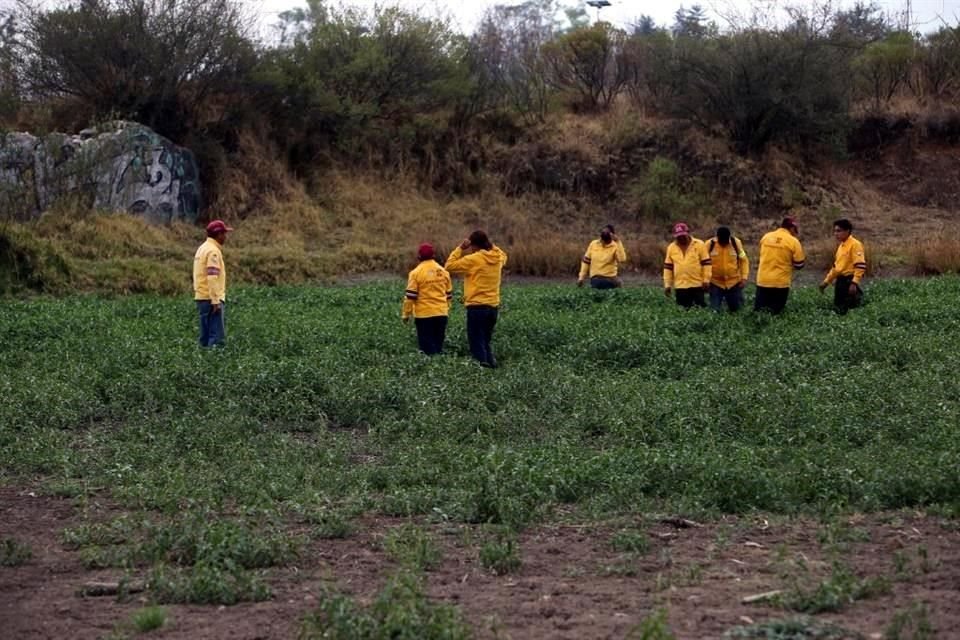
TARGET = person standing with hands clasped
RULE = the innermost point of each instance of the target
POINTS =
(731, 268)
(481, 263)
(601, 259)
(686, 268)
(849, 268)
(427, 300)
(210, 285)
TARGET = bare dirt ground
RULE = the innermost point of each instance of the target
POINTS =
(572, 583)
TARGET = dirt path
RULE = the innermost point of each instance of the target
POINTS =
(572, 582)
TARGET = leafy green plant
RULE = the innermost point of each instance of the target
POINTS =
(836, 592)
(802, 628)
(401, 610)
(653, 627)
(413, 547)
(14, 553)
(206, 583)
(501, 555)
(149, 619)
(911, 624)
(630, 541)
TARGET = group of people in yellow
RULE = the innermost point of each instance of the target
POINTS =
(719, 267)
(692, 270)
(429, 291)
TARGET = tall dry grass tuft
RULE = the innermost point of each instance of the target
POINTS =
(936, 256)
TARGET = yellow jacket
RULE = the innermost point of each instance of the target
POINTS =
(481, 270)
(687, 270)
(850, 260)
(602, 260)
(429, 291)
(209, 273)
(729, 263)
(780, 254)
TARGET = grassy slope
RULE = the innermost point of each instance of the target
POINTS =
(358, 223)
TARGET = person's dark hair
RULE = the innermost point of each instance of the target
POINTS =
(723, 234)
(609, 227)
(480, 240)
(789, 223)
(844, 224)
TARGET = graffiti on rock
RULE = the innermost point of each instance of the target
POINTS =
(127, 168)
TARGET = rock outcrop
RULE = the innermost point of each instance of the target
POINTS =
(122, 166)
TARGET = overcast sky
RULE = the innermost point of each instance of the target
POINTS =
(926, 14)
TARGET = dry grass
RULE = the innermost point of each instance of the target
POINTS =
(936, 256)
(356, 223)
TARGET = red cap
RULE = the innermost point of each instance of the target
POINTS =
(425, 251)
(217, 226)
(681, 229)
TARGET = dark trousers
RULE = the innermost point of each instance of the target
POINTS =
(430, 334)
(842, 300)
(692, 297)
(603, 282)
(771, 299)
(213, 326)
(732, 296)
(481, 320)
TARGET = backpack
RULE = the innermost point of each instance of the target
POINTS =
(736, 248)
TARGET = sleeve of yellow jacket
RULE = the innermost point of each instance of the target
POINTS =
(214, 281)
(457, 262)
(706, 265)
(799, 257)
(668, 269)
(859, 262)
(621, 253)
(744, 261)
(410, 295)
(585, 263)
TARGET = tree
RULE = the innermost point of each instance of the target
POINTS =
(859, 25)
(644, 26)
(509, 43)
(361, 80)
(883, 66)
(159, 62)
(590, 62)
(763, 85)
(940, 62)
(692, 23)
(9, 66)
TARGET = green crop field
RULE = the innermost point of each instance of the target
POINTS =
(320, 411)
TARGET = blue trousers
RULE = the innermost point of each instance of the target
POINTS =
(733, 297)
(213, 326)
(480, 323)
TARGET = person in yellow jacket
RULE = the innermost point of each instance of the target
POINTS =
(601, 260)
(686, 268)
(210, 285)
(427, 300)
(780, 253)
(730, 270)
(481, 263)
(849, 268)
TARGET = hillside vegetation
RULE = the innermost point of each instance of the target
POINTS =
(355, 135)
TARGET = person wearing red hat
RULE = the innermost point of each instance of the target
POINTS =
(780, 253)
(427, 300)
(210, 285)
(687, 268)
